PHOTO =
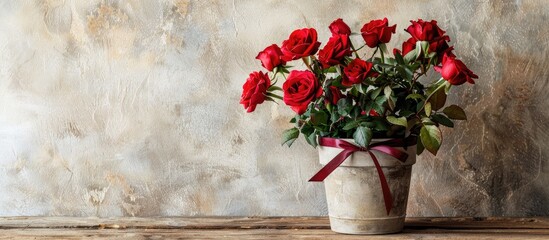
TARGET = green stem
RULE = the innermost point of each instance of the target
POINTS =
(360, 47)
(354, 50)
(414, 80)
(375, 51)
(274, 96)
(274, 79)
(382, 57)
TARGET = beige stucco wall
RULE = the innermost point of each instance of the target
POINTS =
(112, 108)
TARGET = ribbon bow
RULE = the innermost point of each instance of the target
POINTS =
(387, 147)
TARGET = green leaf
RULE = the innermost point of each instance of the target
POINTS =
(307, 129)
(289, 136)
(438, 99)
(418, 50)
(387, 91)
(375, 93)
(427, 121)
(379, 64)
(431, 137)
(380, 100)
(401, 121)
(399, 58)
(351, 125)
(294, 119)
(334, 116)
(379, 124)
(455, 112)
(383, 48)
(419, 106)
(311, 139)
(319, 118)
(424, 47)
(428, 109)
(361, 88)
(332, 69)
(419, 148)
(443, 120)
(363, 136)
(411, 123)
(343, 106)
(338, 70)
(411, 56)
(415, 96)
(390, 61)
(391, 102)
(405, 72)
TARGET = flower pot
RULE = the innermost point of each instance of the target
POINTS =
(354, 193)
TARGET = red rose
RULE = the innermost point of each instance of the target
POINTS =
(425, 31)
(430, 32)
(377, 31)
(301, 43)
(300, 88)
(254, 90)
(356, 72)
(271, 57)
(334, 95)
(340, 27)
(454, 71)
(407, 47)
(335, 50)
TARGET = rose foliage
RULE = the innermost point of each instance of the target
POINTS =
(363, 93)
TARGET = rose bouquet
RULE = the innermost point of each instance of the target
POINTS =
(376, 109)
(344, 94)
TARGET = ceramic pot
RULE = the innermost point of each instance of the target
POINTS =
(354, 195)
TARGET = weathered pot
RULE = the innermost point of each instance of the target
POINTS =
(354, 194)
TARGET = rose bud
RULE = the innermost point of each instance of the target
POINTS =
(300, 89)
(455, 71)
(340, 27)
(335, 51)
(254, 90)
(301, 43)
(356, 72)
(271, 57)
(376, 32)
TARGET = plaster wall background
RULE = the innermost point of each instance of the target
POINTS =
(130, 108)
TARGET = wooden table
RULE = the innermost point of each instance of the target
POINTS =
(262, 228)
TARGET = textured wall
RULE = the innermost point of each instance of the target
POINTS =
(115, 108)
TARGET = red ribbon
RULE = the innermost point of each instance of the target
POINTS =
(387, 147)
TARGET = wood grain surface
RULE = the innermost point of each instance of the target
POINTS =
(261, 228)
